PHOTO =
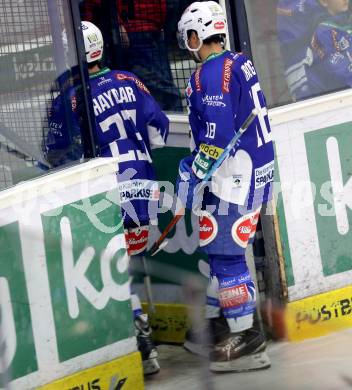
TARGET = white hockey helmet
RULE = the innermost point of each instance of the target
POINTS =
(93, 41)
(207, 18)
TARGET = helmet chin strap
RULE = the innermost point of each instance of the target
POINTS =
(194, 52)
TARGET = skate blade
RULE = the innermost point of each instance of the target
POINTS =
(150, 366)
(255, 361)
(196, 349)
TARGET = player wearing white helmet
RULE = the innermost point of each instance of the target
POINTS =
(128, 124)
(221, 94)
(93, 42)
(207, 19)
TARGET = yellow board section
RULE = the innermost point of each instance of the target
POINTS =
(124, 373)
(319, 315)
(169, 322)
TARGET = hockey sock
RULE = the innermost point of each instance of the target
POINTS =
(236, 291)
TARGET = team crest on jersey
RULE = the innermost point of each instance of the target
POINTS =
(244, 228)
(136, 240)
(226, 75)
(208, 228)
(140, 85)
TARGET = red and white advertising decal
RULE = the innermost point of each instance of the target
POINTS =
(233, 296)
(219, 25)
(208, 228)
(136, 240)
(244, 228)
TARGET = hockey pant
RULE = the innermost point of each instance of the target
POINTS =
(231, 289)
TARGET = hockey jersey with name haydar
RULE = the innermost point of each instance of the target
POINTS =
(128, 124)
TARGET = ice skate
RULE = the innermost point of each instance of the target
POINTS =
(200, 341)
(146, 345)
(244, 351)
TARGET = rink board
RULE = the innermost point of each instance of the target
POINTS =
(319, 315)
(122, 373)
(314, 159)
(64, 286)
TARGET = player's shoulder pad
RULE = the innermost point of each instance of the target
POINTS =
(128, 76)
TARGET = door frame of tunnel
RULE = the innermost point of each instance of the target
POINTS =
(65, 307)
(311, 140)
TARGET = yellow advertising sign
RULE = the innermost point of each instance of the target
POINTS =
(319, 315)
(124, 373)
(169, 322)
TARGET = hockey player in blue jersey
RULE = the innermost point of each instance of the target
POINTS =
(330, 54)
(128, 124)
(296, 21)
(221, 94)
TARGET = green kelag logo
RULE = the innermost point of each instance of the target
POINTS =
(80, 249)
(88, 277)
(17, 353)
(330, 166)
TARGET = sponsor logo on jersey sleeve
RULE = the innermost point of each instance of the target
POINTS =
(197, 79)
(208, 228)
(264, 175)
(140, 85)
(138, 189)
(226, 75)
(137, 240)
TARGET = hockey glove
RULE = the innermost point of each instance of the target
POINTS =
(186, 182)
(204, 159)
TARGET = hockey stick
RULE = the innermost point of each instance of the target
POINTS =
(209, 174)
(146, 276)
